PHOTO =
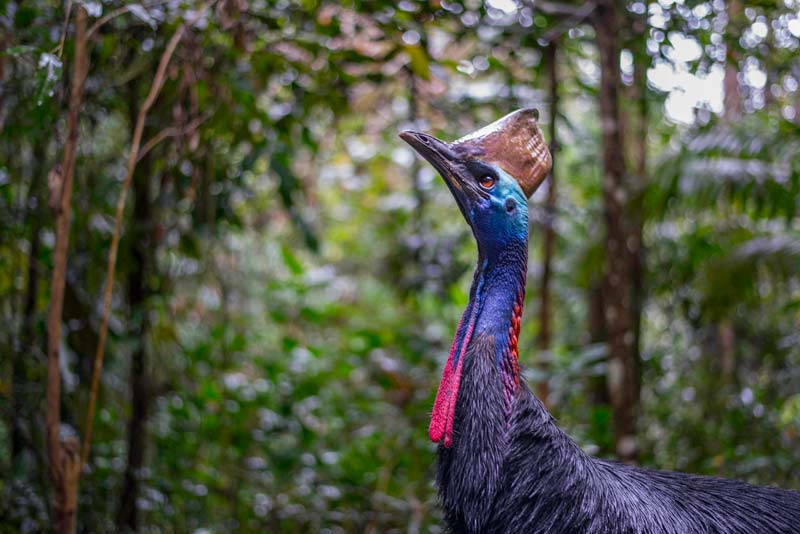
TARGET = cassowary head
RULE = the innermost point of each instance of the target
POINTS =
(491, 173)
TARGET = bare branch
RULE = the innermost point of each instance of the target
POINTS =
(64, 29)
(133, 158)
(172, 131)
(105, 18)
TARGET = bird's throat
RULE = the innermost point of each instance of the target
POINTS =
(495, 308)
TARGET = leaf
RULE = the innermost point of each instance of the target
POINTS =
(291, 260)
(419, 62)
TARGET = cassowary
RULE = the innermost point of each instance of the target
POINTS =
(504, 465)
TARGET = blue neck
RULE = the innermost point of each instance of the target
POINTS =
(498, 287)
(503, 282)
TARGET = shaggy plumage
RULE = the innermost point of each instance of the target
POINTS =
(529, 476)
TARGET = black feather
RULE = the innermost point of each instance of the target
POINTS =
(524, 474)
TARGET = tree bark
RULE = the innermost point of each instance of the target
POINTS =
(636, 212)
(64, 454)
(598, 386)
(726, 335)
(141, 260)
(549, 242)
(621, 242)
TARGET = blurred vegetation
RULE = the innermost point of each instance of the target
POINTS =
(290, 275)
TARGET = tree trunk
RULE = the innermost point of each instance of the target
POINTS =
(138, 291)
(597, 385)
(545, 309)
(64, 454)
(621, 245)
(635, 211)
(733, 111)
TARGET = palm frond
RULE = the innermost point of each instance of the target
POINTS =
(753, 165)
(753, 270)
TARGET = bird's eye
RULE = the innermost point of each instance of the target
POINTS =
(487, 182)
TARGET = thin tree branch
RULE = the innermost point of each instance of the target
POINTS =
(577, 17)
(105, 18)
(172, 131)
(64, 30)
(64, 467)
(133, 157)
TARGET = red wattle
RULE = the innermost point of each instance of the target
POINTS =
(444, 407)
(438, 423)
(451, 407)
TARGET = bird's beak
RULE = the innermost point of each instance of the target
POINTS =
(445, 161)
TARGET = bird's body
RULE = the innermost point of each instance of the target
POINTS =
(504, 465)
(524, 475)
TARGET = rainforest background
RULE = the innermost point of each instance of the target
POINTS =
(287, 274)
